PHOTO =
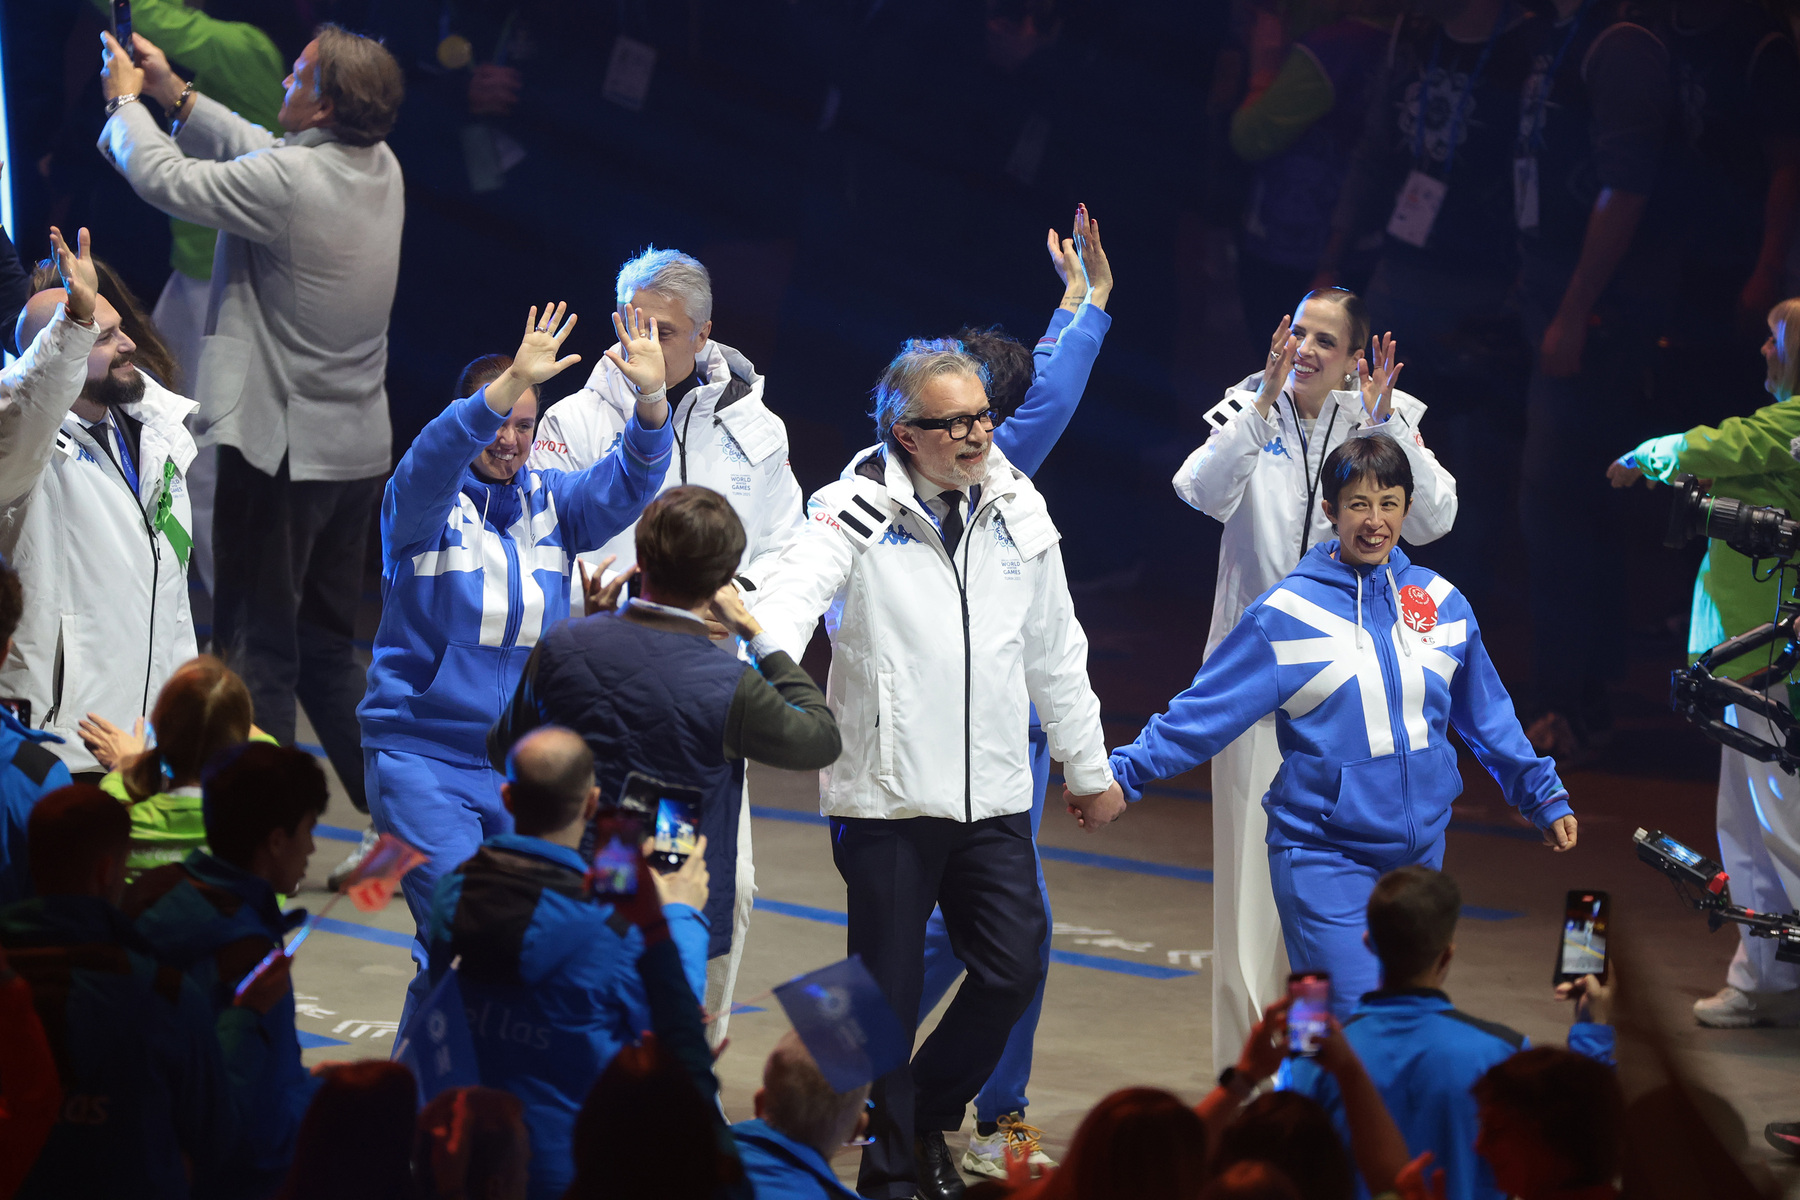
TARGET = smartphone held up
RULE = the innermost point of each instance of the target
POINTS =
(121, 27)
(1309, 1012)
(1581, 948)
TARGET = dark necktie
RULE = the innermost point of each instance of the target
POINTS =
(953, 519)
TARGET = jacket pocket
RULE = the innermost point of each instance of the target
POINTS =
(219, 377)
(884, 724)
(1380, 804)
(61, 666)
(461, 688)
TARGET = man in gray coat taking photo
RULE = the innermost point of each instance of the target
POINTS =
(291, 377)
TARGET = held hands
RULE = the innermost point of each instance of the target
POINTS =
(1094, 812)
(728, 609)
(600, 597)
(79, 278)
(1561, 835)
(111, 746)
(1378, 385)
(1283, 347)
(642, 364)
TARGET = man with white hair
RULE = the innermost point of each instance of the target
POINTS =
(94, 516)
(952, 617)
(726, 439)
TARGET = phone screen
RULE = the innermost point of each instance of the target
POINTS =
(677, 831)
(1310, 993)
(615, 870)
(1583, 947)
(1677, 851)
(121, 11)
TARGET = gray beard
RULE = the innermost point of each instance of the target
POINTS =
(111, 393)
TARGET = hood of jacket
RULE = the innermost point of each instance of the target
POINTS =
(732, 394)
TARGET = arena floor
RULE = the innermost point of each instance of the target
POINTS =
(1129, 998)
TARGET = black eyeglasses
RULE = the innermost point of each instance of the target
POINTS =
(957, 427)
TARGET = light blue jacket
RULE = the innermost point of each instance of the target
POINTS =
(473, 573)
(1366, 670)
(781, 1168)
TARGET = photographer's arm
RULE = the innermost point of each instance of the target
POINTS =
(1757, 444)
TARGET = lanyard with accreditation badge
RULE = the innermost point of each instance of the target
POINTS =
(1421, 198)
(1525, 162)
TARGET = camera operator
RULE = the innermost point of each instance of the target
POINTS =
(1746, 458)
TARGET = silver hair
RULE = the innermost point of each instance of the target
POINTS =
(899, 394)
(668, 273)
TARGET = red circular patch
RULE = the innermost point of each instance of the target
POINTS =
(1417, 608)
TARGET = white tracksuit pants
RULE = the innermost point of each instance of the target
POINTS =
(1250, 964)
(1759, 846)
(721, 972)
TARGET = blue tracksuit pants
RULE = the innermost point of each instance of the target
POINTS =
(1005, 1088)
(446, 810)
(1323, 897)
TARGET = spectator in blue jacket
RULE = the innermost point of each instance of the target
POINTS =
(145, 1108)
(476, 553)
(30, 771)
(1423, 1053)
(1036, 395)
(215, 915)
(549, 974)
(800, 1123)
(1367, 661)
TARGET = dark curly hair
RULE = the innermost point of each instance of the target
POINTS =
(1008, 362)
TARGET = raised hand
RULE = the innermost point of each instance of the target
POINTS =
(642, 360)
(160, 80)
(1378, 384)
(1283, 347)
(119, 76)
(1093, 258)
(603, 597)
(1066, 261)
(79, 278)
(536, 361)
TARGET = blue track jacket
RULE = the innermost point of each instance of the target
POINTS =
(144, 1098)
(1061, 362)
(473, 573)
(782, 1169)
(27, 771)
(1424, 1056)
(216, 922)
(550, 981)
(1366, 670)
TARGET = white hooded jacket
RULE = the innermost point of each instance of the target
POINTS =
(1260, 477)
(937, 659)
(725, 439)
(105, 572)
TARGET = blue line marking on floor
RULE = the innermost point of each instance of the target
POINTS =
(1113, 862)
(367, 933)
(1069, 958)
(745, 1008)
(797, 816)
(337, 833)
(312, 1041)
(1476, 912)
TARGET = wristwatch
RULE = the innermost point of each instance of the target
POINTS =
(1236, 1082)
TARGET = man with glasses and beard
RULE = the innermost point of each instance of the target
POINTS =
(94, 516)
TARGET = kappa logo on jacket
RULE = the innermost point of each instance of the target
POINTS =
(1275, 446)
(895, 535)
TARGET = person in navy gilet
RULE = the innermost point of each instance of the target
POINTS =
(650, 691)
(476, 550)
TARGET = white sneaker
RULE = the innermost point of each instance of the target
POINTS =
(1734, 1008)
(987, 1155)
(342, 871)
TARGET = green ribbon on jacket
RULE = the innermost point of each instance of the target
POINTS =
(166, 521)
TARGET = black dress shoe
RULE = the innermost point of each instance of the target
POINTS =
(938, 1177)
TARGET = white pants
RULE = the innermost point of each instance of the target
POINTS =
(1759, 847)
(1250, 965)
(180, 316)
(721, 972)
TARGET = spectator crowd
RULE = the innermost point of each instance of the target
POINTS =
(614, 590)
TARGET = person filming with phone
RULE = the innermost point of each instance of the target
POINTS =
(548, 966)
(651, 692)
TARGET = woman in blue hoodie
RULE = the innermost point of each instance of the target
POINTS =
(476, 551)
(1367, 661)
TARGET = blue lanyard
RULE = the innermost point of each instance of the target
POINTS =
(1536, 140)
(126, 466)
(1462, 101)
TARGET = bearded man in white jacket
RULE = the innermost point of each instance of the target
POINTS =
(726, 439)
(937, 568)
(94, 516)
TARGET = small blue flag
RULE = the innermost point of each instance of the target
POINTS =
(436, 1044)
(847, 1024)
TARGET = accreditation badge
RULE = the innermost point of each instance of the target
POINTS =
(1416, 208)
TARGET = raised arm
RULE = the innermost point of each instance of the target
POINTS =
(1434, 502)
(236, 63)
(1062, 366)
(1757, 444)
(1235, 689)
(251, 197)
(209, 130)
(38, 389)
